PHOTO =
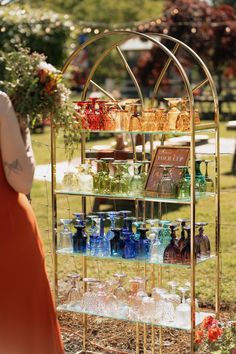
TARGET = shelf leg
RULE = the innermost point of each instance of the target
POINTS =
(85, 317)
(137, 339)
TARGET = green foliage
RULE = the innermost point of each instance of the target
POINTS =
(36, 91)
(105, 10)
(42, 31)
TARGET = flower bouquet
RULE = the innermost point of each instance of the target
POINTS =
(216, 337)
(37, 91)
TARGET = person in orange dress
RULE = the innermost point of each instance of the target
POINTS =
(28, 323)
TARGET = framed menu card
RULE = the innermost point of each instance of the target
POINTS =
(166, 155)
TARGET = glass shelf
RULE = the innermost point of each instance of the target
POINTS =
(66, 252)
(76, 309)
(147, 196)
(204, 127)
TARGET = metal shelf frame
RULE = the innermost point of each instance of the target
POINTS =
(119, 37)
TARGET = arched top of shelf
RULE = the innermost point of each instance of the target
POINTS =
(171, 59)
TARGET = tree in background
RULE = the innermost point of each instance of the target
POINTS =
(44, 32)
(209, 30)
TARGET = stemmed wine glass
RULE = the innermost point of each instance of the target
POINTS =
(184, 184)
(200, 182)
(136, 186)
(65, 243)
(208, 179)
(166, 188)
(183, 310)
(155, 245)
(75, 293)
(203, 247)
(113, 217)
(181, 240)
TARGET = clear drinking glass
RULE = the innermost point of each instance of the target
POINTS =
(166, 187)
(89, 300)
(65, 243)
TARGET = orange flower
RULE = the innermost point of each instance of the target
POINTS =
(43, 74)
(214, 333)
(50, 86)
(199, 336)
(207, 322)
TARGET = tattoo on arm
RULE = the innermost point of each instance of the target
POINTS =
(13, 166)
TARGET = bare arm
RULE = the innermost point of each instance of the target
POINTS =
(17, 156)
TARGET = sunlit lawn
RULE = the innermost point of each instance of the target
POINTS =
(205, 211)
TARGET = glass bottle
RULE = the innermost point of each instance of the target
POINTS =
(79, 239)
(172, 251)
(166, 187)
(143, 244)
(202, 241)
(173, 112)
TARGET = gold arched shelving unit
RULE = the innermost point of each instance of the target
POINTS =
(119, 37)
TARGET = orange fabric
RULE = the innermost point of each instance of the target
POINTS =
(28, 323)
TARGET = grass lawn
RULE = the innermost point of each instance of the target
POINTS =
(205, 211)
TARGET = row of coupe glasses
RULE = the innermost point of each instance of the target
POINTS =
(112, 298)
(95, 114)
(122, 177)
(108, 176)
(157, 244)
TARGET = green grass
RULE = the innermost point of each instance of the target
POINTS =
(205, 211)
